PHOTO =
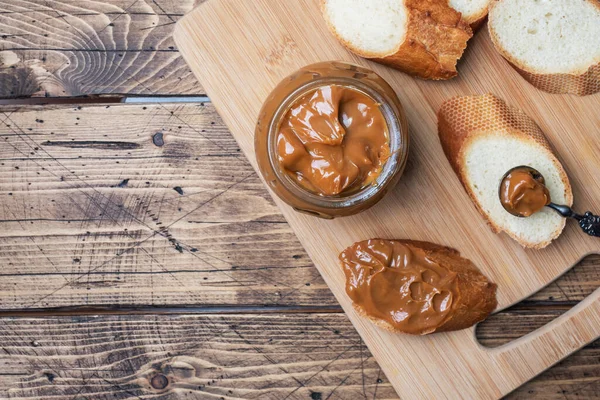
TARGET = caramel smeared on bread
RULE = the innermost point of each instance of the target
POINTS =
(415, 287)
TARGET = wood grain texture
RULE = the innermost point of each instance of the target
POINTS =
(140, 205)
(123, 133)
(301, 356)
(232, 357)
(276, 45)
(81, 48)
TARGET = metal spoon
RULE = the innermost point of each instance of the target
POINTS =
(588, 222)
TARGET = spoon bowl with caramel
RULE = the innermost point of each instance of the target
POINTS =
(523, 192)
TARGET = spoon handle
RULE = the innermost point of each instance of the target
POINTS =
(588, 222)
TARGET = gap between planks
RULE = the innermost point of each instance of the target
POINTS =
(77, 311)
(105, 99)
(523, 307)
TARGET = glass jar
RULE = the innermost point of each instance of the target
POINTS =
(285, 96)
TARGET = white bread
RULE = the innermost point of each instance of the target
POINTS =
(475, 294)
(553, 44)
(472, 11)
(423, 38)
(483, 138)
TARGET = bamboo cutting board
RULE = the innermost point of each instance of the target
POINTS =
(240, 49)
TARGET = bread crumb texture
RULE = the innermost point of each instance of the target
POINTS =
(554, 44)
(471, 10)
(375, 28)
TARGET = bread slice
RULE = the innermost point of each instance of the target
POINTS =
(472, 11)
(423, 38)
(553, 44)
(474, 296)
(483, 138)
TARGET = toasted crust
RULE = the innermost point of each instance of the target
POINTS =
(582, 84)
(436, 39)
(477, 294)
(463, 118)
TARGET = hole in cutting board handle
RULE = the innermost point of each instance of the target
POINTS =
(543, 306)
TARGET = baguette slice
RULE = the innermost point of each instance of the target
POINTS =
(483, 138)
(423, 38)
(473, 295)
(553, 44)
(472, 11)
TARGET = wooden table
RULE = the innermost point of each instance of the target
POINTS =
(140, 255)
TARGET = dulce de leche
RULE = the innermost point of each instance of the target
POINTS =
(333, 139)
(409, 288)
(523, 192)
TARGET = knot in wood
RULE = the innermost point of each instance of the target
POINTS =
(159, 382)
(158, 139)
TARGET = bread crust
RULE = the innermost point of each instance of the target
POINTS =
(435, 40)
(580, 84)
(478, 23)
(475, 21)
(457, 133)
(477, 295)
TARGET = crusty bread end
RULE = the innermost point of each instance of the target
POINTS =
(423, 38)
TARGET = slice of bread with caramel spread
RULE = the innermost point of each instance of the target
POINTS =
(415, 287)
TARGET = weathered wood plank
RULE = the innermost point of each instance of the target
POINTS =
(97, 209)
(299, 356)
(84, 47)
(314, 356)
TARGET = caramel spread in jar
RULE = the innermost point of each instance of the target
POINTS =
(391, 281)
(523, 192)
(332, 140)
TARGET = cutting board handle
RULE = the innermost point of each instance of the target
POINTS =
(554, 341)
